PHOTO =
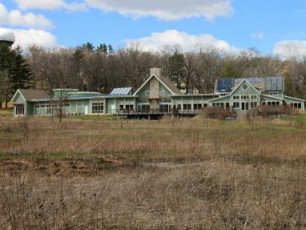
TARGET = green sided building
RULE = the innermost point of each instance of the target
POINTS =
(157, 96)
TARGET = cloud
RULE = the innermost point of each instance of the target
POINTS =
(16, 18)
(75, 6)
(187, 42)
(166, 9)
(258, 35)
(50, 5)
(27, 38)
(41, 4)
(290, 49)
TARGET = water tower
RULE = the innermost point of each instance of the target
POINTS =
(7, 37)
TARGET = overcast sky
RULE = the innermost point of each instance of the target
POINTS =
(270, 26)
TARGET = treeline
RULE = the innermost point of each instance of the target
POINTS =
(102, 68)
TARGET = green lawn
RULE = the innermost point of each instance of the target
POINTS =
(300, 118)
(95, 117)
(6, 112)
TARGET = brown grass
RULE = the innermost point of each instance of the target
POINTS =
(168, 174)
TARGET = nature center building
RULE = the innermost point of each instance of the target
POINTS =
(156, 96)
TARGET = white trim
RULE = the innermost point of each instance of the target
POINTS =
(18, 91)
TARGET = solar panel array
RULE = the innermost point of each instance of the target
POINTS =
(274, 83)
(225, 84)
(251, 80)
(121, 91)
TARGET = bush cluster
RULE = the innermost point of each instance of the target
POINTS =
(218, 113)
(266, 111)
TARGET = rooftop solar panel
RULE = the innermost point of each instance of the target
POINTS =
(251, 80)
(274, 83)
(225, 84)
(121, 91)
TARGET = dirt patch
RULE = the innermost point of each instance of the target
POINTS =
(64, 167)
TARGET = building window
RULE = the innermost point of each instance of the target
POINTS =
(165, 100)
(253, 104)
(49, 109)
(273, 93)
(164, 108)
(245, 97)
(197, 106)
(244, 86)
(126, 107)
(97, 107)
(129, 107)
(187, 106)
(236, 105)
(254, 97)
(236, 97)
(19, 109)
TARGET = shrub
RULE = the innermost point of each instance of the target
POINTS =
(218, 113)
(277, 111)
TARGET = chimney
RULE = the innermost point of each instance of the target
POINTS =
(155, 71)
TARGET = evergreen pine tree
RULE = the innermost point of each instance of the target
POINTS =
(14, 72)
(19, 72)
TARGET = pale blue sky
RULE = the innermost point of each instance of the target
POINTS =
(231, 25)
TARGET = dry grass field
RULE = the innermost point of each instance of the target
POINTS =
(138, 174)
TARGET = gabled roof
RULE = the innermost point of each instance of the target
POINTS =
(32, 94)
(165, 81)
(248, 83)
(169, 84)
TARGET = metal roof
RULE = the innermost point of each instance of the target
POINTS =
(121, 91)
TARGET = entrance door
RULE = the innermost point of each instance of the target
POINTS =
(242, 106)
(19, 109)
(86, 110)
(113, 109)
